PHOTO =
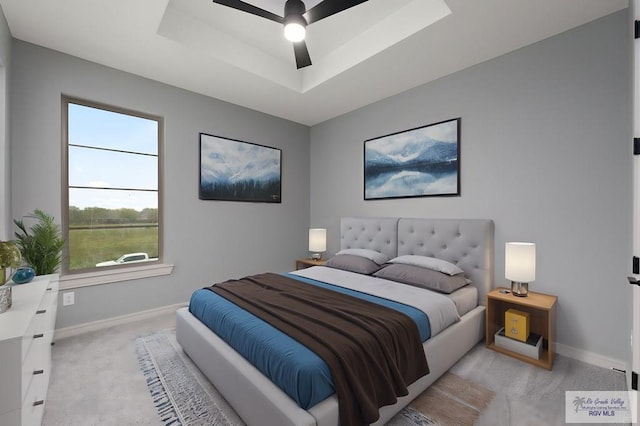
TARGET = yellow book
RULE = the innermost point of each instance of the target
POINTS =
(516, 324)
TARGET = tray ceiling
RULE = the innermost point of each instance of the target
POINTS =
(366, 53)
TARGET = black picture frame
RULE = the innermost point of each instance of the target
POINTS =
(419, 162)
(233, 170)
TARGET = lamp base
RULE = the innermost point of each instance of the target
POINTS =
(519, 289)
(316, 256)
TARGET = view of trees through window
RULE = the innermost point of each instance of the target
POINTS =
(98, 235)
(112, 163)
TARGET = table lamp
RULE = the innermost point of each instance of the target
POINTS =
(520, 266)
(317, 242)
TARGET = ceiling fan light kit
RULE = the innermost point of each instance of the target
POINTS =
(294, 20)
(294, 28)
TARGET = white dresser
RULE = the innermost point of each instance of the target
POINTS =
(26, 333)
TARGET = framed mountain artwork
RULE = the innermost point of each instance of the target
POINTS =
(420, 162)
(232, 170)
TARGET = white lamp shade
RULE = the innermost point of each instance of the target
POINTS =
(317, 240)
(520, 262)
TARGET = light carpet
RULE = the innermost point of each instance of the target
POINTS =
(183, 396)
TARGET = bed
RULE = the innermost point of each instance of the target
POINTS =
(467, 243)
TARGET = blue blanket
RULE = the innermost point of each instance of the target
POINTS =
(298, 371)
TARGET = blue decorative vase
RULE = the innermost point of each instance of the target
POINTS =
(23, 274)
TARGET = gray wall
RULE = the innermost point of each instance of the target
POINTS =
(5, 170)
(545, 153)
(207, 241)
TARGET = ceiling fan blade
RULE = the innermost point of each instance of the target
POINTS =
(329, 7)
(302, 54)
(249, 8)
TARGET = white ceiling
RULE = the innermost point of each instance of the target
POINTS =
(367, 53)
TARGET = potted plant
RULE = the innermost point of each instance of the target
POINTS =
(9, 258)
(41, 245)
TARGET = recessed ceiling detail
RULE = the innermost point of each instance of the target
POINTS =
(364, 54)
(338, 42)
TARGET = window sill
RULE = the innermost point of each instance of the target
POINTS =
(113, 276)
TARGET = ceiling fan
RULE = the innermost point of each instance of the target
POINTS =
(296, 18)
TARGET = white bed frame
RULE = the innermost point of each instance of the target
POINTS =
(466, 242)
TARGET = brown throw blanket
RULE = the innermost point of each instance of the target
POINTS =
(373, 352)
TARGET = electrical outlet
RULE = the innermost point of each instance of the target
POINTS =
(68, 298)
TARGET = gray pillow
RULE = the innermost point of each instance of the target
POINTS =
(428, 262)
(353, 263)
(422, 277)
(377, 257)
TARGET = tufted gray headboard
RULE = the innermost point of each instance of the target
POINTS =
(373, 233)
(467, 243)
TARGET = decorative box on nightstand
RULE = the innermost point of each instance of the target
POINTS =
(542, 311)
(516, 324)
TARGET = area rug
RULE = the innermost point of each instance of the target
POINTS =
(183, 396)
(180, 392)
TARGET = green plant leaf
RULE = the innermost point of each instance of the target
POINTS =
(41, 245)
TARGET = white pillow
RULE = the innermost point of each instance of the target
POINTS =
(373, 255)
(429, 263)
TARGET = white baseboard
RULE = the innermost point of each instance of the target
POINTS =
(590, 357)
(75, 330)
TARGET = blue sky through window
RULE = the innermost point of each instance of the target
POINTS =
(124, 172)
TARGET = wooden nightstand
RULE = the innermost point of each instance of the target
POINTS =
(542, 313)
(305, 263)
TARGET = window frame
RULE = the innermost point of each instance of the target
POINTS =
(113, 273)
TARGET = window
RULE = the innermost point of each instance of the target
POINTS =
(112, 187)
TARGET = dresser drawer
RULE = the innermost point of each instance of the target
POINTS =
(48, 310)
(43, 320)
(34, 332)
(49, 320)
(51, 294)
(33, 403)
(35, 362)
